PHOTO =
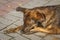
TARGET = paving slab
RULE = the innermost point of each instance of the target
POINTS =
(11, 18)
(4, 37)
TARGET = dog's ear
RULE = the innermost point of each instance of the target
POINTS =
(21, 9)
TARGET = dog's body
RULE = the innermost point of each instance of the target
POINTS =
(47, 19)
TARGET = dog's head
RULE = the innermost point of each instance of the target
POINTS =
(31, 17)
(32, 13)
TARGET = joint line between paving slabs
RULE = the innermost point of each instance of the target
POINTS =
(47, 2)
(15, 16)
(5, 18)
(8, 25)
(9, 36)
(42, 37)
(23, 36)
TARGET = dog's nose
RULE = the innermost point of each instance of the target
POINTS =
(20, 9)
(39, 24)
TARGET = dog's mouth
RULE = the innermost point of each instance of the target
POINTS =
(29, 29)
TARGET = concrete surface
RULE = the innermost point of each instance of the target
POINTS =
(9, 18)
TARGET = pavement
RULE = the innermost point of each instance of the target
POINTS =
(10, 18)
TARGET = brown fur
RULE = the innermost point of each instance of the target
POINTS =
(41, 19)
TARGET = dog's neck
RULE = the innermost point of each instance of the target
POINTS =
(49, 20)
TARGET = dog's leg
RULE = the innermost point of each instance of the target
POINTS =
(38, 29)
(44, 30)
(13, 30)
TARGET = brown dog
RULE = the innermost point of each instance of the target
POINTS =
(40, 19)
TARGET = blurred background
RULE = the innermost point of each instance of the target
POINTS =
(10, 18)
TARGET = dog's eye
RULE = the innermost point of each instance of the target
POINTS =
(39, 24)
(27, 15)
(41, 15)
(32, 28)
